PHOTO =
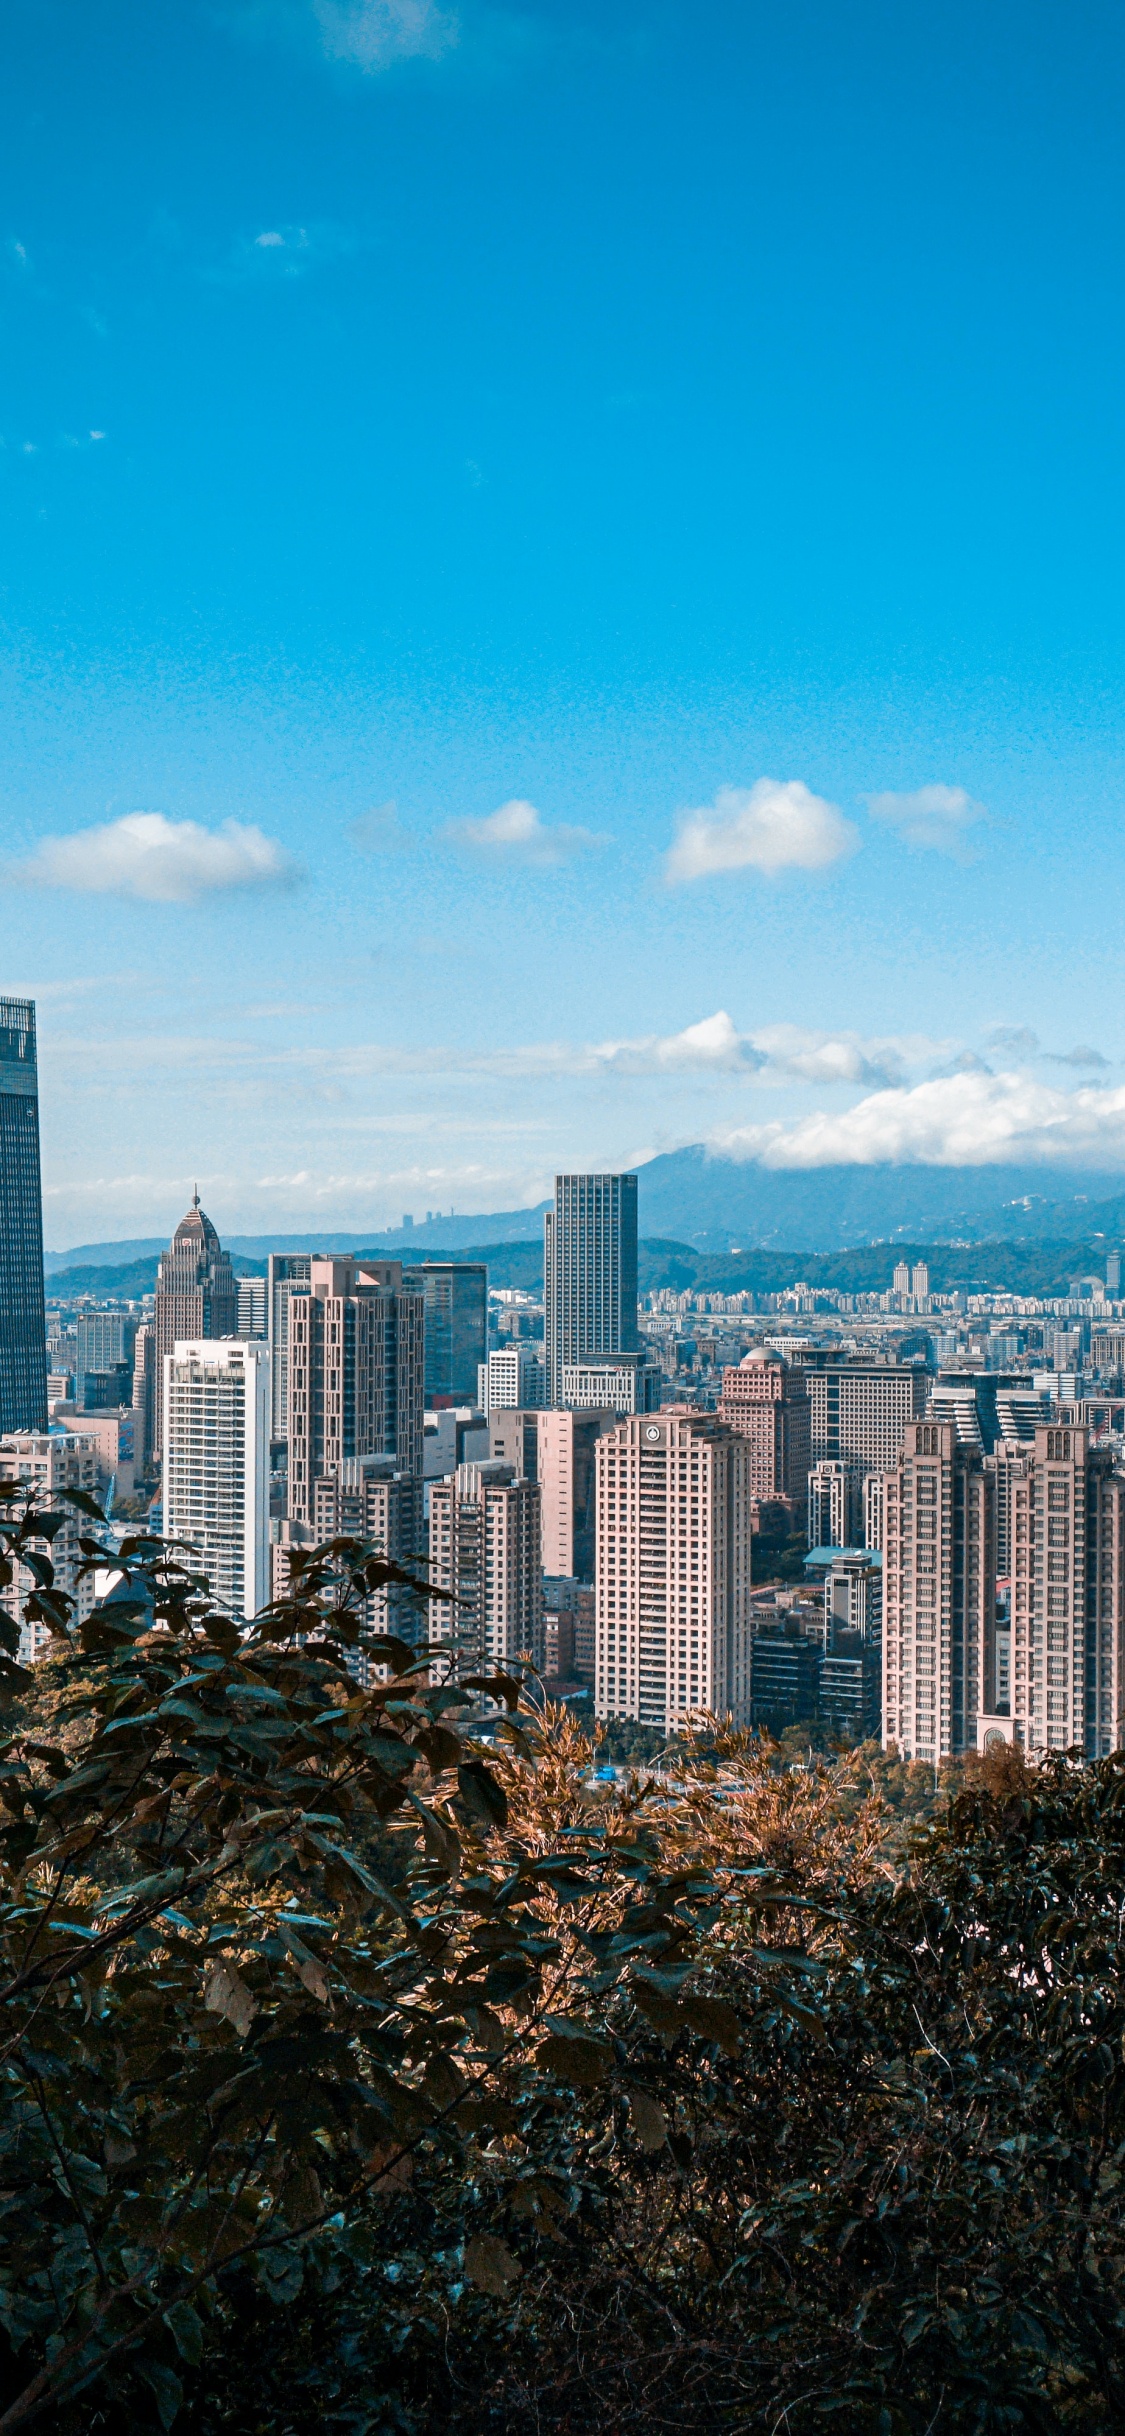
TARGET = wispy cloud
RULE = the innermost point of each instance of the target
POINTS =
(380, 831)
(938, 818)
(517, 833)
(373, 35)
(287, 251)
(772, 826)
(145, 855)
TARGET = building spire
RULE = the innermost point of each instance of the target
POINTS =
(195, 1196)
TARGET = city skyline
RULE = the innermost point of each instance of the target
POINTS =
(530, 488)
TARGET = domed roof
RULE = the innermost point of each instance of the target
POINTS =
(196, 1228)
(761, 1355)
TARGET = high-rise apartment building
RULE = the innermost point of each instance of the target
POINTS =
(831, 1504)
(146, 1395)
(767, 1403)
(455, 1317)
(365, 1498)
(513, 1377)
(939, 1593)
(46, 1465)
(1066, 1661)
(567, 1475)
(355, 1354)
(589, 1274)
(23, 1327)
(672, 1570)
(215, 1438)
(196, 1295)
(920, 1282)
(485, 1548)
(901, 1281)
(287, 1273)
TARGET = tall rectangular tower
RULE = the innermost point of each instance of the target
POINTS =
(589, 1274)
(23, 1327)
(287, 1274)
(1067, 1557)
(455, 1303)
(216, 1464)
(939, 1593)
(355, 1373)
(672, 1570)
(485, 1548)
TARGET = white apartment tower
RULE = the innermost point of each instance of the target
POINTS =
(512, 1380)
(1067, 1556)
(45, 1465)
(830, 1502)
(939, 1594)
(672, 1570)
(355, 1373)
(485, 1548)
(216, 1464)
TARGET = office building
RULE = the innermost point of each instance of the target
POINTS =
(196, 1296)
(287, 1273)
(767, 1403)
(566, 1468)
(784, 1680)
(455, 1319)
(103, 1360)
(513, 1376)
(253, 1307)
(513, 1437)
(484, 1548)
(939, 1593)
(985, 1407)
(45, 1465)
(853, 1597)
(23, 1325)
(859, 1411)
(672, 1570)
(831, 1501)
(849, 1687)
(453, 1435)
(355, 1373)
(632, 1384)
(215, 1439)
(145, 1395)
(589, 1274)
(569, 1631)
(1066, 1659)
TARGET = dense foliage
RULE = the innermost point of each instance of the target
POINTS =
(369, 2064)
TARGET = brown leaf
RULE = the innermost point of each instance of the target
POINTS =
(489, 2265)
(226, 1992)
(648, 2120)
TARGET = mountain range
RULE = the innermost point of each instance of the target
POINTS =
(719, 1205)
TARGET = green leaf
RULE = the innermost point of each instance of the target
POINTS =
(186, 2329)
(484, 1799)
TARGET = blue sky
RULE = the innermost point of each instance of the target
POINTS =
(591, 539)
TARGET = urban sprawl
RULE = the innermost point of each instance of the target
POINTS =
(897, 1514)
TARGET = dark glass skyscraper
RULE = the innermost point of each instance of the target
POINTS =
(23, 1330)
(455, 1296)
(589, 1273)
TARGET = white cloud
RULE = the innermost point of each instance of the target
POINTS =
(285, 252)
(936, 817)
(374, 34)
(159, 860)
(769, 827)
(517, 833)
(972, 1119)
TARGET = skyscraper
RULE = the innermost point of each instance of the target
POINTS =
(455, 1300)
(23, 1328)
(566, 1466)
(589, 1274)
(287, 1274)
(485, 1548)
(672, 1570)
(939, 1593)
(215, 1436)
(767, 1403)
(1067, 1556)
(196, 1296)
(355, 1373)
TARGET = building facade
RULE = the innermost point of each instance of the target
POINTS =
(46, 1465)
(287, 1274)
(859, 1412)
(566, 1469)
(632, 1385)
(767, 1403)
(831, 1505)
(672, 1570)
(355, 1357)
(513, 1377)
(23, 1326)
(589, 1274)
(196, 1296)
(455, 1319)
(216, 1418)
(1066, 1654)
(146, 1395)
(939, 1594)
(484, 1548)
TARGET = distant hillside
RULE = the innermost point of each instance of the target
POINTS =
(1019, 1268)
